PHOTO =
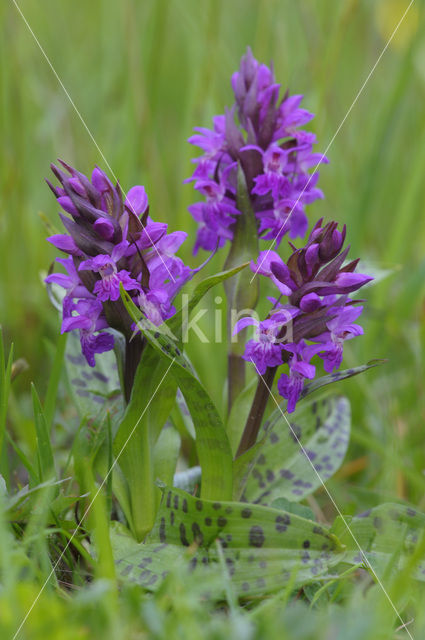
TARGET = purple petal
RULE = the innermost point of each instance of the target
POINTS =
(137, 200)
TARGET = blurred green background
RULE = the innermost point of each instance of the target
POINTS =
(142, 74)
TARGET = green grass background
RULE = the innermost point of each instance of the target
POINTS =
(142, 74)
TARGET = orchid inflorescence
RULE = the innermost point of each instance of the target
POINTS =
(274, 153)
(316, 284)
(112, 243)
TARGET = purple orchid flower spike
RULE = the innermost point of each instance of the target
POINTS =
(275, 154)
(111, 242)
(311, 316)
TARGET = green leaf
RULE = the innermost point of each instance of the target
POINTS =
(337, 376)
(239, 414)
(95, 390)
(212, 444)
(390, 537)
(136, 436)
(262, 547)
(294, 460)
(166, 453)
(46, 465)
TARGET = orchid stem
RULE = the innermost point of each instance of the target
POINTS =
(256, 414)
(133, 353)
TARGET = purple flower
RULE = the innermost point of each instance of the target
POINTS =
(112, 242)
(274, 153)
(108, 288)
(290, 386)
(341, 328)
(90, 322)
(317, 316)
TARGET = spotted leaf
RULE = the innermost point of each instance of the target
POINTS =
(387, 538)
(262, 547)
(336, 376)
(94, 389)
(294, 458)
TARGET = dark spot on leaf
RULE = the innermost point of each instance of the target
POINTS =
(176, 501)
(262, 564)
(377, 522)
(282, 522)
(305, 557)
(168, 499)
(270, 475)
(160, 547)
(144, 562)
(256, 536)
(317, 530)
(78, 383)
(199, 505)
(198, 536)
(184, 505)
(274, 437)
(76, 359)
(172, 518)
(229, 510)
(261, 459)
(295, 432)
(246, 513)
(411, 512)
(230, 565)
(100, 376)
(306, 544)
(221, 521)
(127, 570)
(216, 505)
(152, 579)
(193, 562)
(365, 514)
(208, 522)
(285, 473)
(162, 534)
(245, 586)
(145, 574)
(183, 538)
